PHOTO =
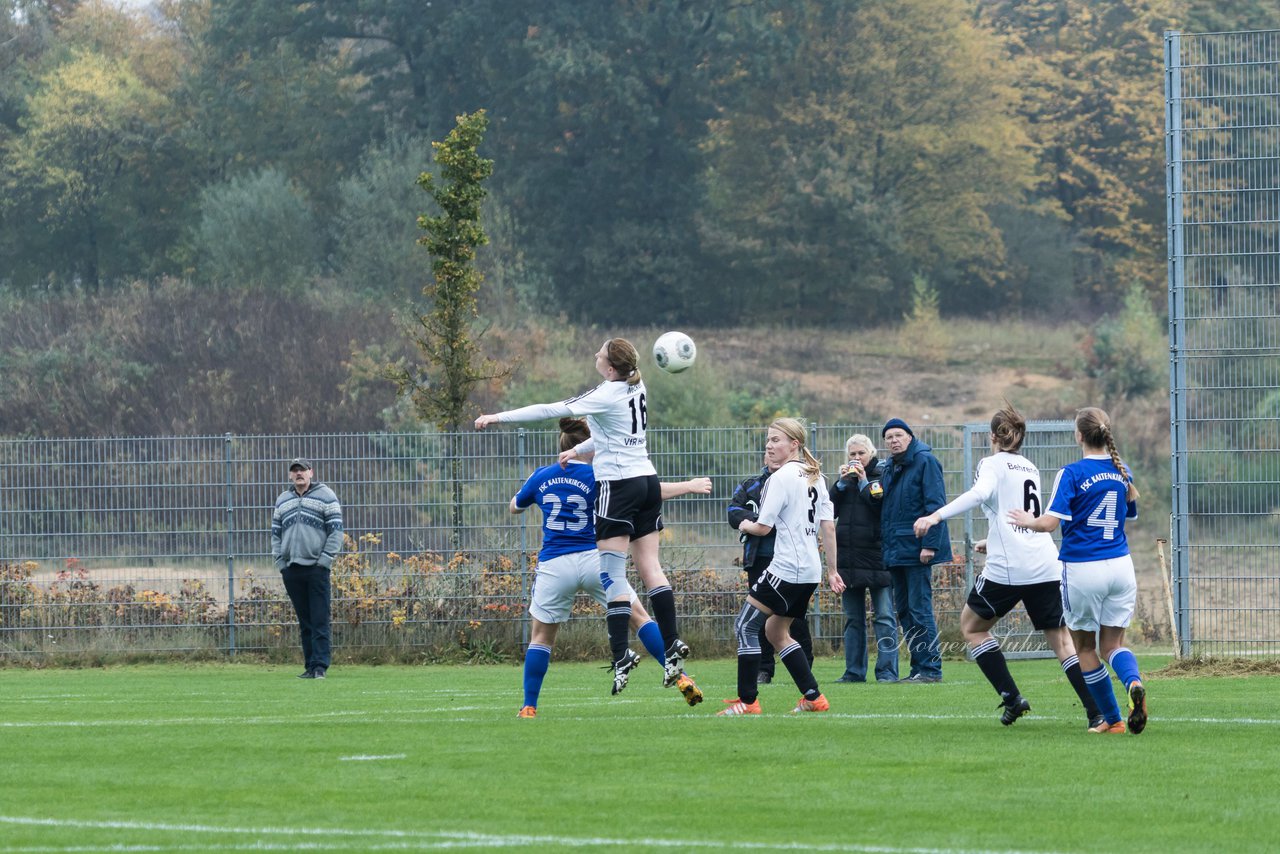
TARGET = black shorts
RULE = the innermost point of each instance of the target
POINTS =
(991, 600)
(782, 597)
(630, 507)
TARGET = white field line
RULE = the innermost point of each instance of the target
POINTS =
(341, 838)
(410, 716)
(372, 758)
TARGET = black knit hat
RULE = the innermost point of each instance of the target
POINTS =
(896, 422)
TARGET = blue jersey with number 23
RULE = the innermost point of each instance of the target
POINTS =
(567, 499)
(1089, 498)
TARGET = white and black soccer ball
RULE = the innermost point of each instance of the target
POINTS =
(674, 352)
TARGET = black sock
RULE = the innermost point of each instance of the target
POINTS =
(995, 668)
(617, 618)
(797, 665)
(1075, 676)
(748, 672)
(662, 604)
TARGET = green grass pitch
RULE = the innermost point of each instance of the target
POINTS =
(246, 757)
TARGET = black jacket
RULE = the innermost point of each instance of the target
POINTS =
(745, 504)
(858, 554)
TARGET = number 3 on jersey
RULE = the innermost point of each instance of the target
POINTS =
(1104, 516)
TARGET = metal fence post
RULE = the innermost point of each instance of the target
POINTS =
(231, 560)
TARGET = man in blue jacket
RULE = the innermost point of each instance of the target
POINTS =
(913, 484)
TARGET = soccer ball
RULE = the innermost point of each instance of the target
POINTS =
(674, 352)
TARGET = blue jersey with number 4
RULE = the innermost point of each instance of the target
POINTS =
(567, 499)
(1089, 498)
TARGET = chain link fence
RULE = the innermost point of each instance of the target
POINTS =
(162, 545)
(1222, 130)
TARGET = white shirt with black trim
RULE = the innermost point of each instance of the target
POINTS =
(795, 508)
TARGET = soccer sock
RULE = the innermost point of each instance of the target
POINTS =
(1099, 682)
(662, 604)
(993, 665)
(748, 673)
(1124, 664)
(617, 617)
(797, 665)
(536, 661)
(651, 637)
(1075, 676)
(800, 631)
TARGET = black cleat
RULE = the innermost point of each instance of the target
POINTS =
(1137, 708)
(1014, 708)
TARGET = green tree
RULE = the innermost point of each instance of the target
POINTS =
(373, 230)
(1089, 92)
(82, 165)
(441, 393)
(256, 230)
(876, 142)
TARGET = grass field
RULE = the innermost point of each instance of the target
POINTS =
(245, 757)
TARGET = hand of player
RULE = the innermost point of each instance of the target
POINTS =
(924, 523)
(567, 456)
(699, 486)
(926, 555)
(836, 582)
(485, 420)
(980, 546)
(1021, 518)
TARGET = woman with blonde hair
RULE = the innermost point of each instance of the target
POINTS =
(1092, 498)
(628, 507)
(857, 497)
(796, 506)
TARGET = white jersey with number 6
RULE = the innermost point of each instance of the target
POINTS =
(793, 507)
(1015, 555)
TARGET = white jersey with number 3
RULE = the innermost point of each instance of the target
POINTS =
(1015, 555)
(794, 508)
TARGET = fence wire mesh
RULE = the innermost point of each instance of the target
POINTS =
(1222, 128)
(162, 545)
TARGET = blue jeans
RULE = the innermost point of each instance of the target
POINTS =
(913, 592)
(854, 601)
(308, 589)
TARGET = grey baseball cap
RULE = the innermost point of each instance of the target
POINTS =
(300, 462)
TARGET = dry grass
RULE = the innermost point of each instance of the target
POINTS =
(1201, 667)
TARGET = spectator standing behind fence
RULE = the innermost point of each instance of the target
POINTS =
(913, 487)
(1022, 566)
(857, 497)
(757, 554)
(1093, 497)
(306, 535)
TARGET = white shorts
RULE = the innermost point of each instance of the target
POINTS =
(1099, 593)
(560, 579)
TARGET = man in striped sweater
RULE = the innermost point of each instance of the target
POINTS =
(306, 535)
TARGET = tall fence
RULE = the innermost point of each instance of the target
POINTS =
(162, 545)
(1222, 130)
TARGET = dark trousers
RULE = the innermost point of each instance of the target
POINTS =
(308, 589)
(799, 626)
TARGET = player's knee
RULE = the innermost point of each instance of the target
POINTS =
(748, 625)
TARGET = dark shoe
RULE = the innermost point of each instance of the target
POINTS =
(674, 665)
(622, 670)
(1097, 723)
(1014, 708)
(1137, 708)
(919, 679)
(307, 674)
(763, 678)
(849, 678)
(317, 673)
(888, 680)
